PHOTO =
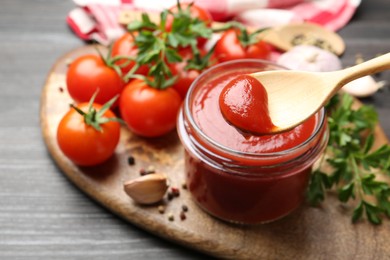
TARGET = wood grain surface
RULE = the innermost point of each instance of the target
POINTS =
(199, 231)
(44, 216)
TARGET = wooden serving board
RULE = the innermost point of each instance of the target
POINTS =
(308, 233)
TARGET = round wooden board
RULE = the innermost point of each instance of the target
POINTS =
(308, 233)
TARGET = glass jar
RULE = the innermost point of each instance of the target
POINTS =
(236, 177)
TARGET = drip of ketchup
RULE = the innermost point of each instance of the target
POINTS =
(244, 105)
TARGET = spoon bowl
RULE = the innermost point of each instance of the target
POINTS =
(294, 96)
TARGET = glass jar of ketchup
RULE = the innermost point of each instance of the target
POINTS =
(238, 177)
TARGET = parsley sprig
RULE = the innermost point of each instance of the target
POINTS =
(357, 170)
(185, 29)
(158, 45)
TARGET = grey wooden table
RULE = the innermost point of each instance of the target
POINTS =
(42, 215)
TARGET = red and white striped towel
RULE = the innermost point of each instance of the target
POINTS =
(98, 19)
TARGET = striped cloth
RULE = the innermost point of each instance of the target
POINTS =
(98, 19)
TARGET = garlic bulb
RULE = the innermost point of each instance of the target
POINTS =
(309, 58)
(363, 87)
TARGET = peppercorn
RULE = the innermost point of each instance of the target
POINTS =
(161, 209)
(131, 160)
(170, 195)
(175, 192)
(182, 215)
(308, 39)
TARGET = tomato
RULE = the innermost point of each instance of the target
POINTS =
(195, 12)
(89, 73)
(229, 47)
(124, 46)
(82, 143)
(148, 111)
(184, 77)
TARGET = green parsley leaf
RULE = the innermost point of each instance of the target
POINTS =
(346, 192)
(355, 165)
(358, 212)
(316, 192)
(373, 213)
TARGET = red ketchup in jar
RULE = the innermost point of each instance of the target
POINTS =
(236, 176)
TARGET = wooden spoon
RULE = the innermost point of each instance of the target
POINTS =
(294, 96)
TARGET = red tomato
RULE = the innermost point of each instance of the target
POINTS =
(148, 111)
(124, 46)
(82, 143)
(229, 48)
(89, 73)
(195, 12)
(184, 77)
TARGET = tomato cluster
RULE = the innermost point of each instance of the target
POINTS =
(150, 69)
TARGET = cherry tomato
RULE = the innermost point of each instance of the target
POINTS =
(124, 46)
(184, 77)
(82, 143)
(148, 111)
(229, 47)
(89, 73)
(195, 12)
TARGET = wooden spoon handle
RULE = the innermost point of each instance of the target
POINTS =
(369, 67)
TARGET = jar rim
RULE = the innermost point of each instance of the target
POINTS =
(190, 119)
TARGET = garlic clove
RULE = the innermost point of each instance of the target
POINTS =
(362, 87)
(147, 189)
